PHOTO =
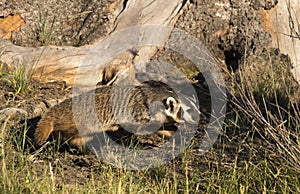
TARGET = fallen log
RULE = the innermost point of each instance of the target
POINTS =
(62, 63)
(283, 23)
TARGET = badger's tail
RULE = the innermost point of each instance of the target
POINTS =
(43, 131)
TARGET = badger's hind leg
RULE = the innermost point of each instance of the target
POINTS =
(43, 131)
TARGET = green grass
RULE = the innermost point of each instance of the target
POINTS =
(45, 32)
(19, 80)
(234, 165)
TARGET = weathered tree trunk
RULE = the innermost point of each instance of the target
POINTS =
(61, 63)
(283, 23)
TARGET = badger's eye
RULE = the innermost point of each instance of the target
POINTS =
(180, 113)
(171, 106)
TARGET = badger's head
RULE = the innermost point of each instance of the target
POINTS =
(166, 113)
(170, 111)
(164, 107)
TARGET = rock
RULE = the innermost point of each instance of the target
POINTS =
(9, 24)
(10, 112)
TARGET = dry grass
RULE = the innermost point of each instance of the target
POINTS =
(268, 97)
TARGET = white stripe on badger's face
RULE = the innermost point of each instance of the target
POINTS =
(186, 115)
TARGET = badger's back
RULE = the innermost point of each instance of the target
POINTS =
(130, 104)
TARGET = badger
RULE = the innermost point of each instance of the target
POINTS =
(135, 108)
